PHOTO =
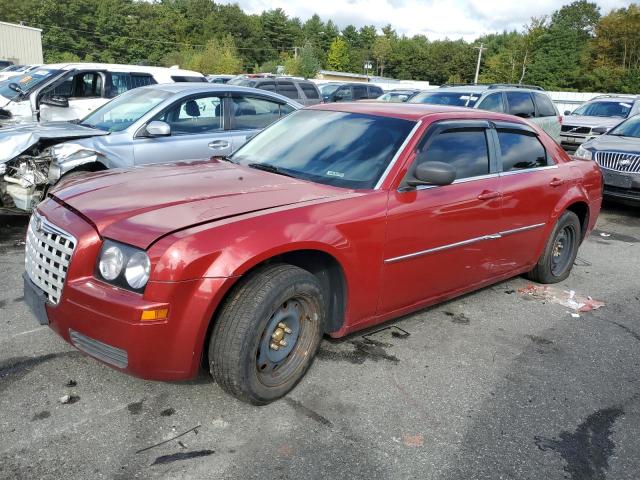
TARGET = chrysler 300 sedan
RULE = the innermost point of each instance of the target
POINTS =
(336, 218)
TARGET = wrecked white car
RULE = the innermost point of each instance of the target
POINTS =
(154, 124)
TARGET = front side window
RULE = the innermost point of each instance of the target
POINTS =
(250, 113)
(604, 109)
(520, 104)
(492, 103)
(455, 99)
(465, 149)
(87, 85)
(268, 86)
(346, 150)
(194, 115)
(545, 105)
(121, 112)
(343, 94)
(520, 150)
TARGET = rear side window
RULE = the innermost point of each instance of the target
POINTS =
(492, 103)
(268, 86)
(374, 92)
(545, 105)
(121, 82)
(310, 90)
(250, 113)
(520, 151)
(520, 104)
(288, 89)
(359, 91)
(466, 150)
(184, 78)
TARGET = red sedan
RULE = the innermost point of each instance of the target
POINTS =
(336, 218)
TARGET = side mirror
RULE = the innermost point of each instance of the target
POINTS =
(567, 112)
(432, 173)
(158, 129)
(55, 101)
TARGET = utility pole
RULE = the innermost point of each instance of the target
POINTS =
(480, 50)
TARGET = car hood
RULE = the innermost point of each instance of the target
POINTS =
(16, 139)
(615, 144)
(584, 121)
(139, 206)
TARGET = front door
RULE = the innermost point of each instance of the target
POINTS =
(84, 91)
(442, 239)
(197, 133)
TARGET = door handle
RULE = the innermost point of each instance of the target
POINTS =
(219, 144)
(556, 182)
(488, 195)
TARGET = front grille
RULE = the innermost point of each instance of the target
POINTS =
(47, 255)
(573, 129)
(101, 351)
(618, 161)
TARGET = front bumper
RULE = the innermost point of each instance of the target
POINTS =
(621, 186)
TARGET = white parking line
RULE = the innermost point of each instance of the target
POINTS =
(39, 329)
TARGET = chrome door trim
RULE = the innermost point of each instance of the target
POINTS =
(393, 161)
(527, 170)
(491, 236)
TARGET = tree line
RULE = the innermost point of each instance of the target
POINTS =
(576, 47)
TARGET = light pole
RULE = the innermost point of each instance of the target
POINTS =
(480, 50)
(368, 64)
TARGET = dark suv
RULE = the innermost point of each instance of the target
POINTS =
(298, 89)
(347, 92)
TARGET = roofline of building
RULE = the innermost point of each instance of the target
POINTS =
(21, 26)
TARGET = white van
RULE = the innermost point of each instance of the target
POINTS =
(70, 91)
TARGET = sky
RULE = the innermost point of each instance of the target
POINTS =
(437, 19)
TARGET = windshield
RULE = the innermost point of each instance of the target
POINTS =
(346, 150)
(329, 89)
(628, 128)
(604, 109)
(26, 82)
(124, 110)
(242, 82)
(456, 99)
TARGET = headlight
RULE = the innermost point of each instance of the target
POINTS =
(600, 130)
(582, 152)
(123, 265)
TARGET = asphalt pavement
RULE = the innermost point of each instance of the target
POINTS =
(498, 384)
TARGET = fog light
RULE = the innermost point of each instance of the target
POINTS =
(152, 315)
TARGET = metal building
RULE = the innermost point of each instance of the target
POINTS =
(20, 44)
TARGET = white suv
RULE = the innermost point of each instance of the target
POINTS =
(73, 90)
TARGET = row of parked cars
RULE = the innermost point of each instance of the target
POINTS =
(254, 226)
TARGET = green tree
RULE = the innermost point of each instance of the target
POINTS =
(381, 51)
(309, 64)
(338, 57)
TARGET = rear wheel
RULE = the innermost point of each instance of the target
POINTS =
(267, 333)
(559, 254)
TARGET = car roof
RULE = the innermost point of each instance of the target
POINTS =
(202, 87)
(483, 88)
(413, 111)
(118, 67)
(614, 98)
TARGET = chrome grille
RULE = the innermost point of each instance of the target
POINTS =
(47, 255)
(618, 161)
(574, 129)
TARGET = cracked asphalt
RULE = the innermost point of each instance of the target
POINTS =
(497, 384)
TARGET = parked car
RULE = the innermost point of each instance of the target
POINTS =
(618, 154)
(397, 96)
(334, 219)
(347, 92)
(525, 101)
(16, 70)
(70, 91)
(595, 117)
(5, 63)
(154, 124)
(298, 89)
(219, 78)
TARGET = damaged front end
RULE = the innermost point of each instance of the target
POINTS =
(27, 178)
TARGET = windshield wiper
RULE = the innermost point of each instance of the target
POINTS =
(269, 168)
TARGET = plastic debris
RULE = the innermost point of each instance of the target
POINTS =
(413, 440)
(71, 383)
(567, 298)
(604, 234)
(69, 399)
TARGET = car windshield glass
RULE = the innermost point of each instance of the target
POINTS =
(604, 109)
(346, 150)
(328, 89)
(26, 82)
(122, 111)
(628, 128)
(456, 99)
(242, 82)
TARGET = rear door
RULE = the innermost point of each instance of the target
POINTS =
(547, 116)
(520, 104)
(360, 92)
(531, 185)
(288, 89)
(197, 132)
(440, 239)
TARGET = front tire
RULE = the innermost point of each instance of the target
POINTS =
(267, 333)
(560, 252)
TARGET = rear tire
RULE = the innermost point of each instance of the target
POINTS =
(560, 252)
(277, 306)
